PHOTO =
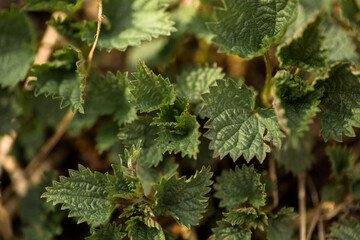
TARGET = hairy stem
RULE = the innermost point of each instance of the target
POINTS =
(302, 205)
(266, 92)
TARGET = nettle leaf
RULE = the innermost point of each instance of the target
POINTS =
(184, 199)
(345, 230)
(68, 6)
(350, 10)
(110, 96)
(150, 92)
(10, 109)
(184, 137)
(226, 231)
(107, 135)
(341, 159)
(85, 194)
(17, 46)
(122, 185)
(169, 115)
(250, 216)
(282, 224)
(141, 130)
(340, 103)
(295, 155)
(250, 28)
(295, 103)
(236, 128)
(332, 192)
(306, 49)
(108, 232)
(138, 229)
(340, 45)
(61, 78)
(194, 81)
(243, 185)
(128, 23)
(151, 176)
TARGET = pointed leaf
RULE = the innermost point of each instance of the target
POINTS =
(61, 78)
(243, 185)
(226, 231)
(341, 159)
(250, 216)
(340, 103)
(306, 50)
(184, 199)
(350, 11)
(138, 229)
(17, 46)
(151, 92)
(194, 81)
(250, 28)
(108, 232)
(85, 194)
(128, 23)
(345, 230)
(282, 224)
(123, 186)
(235, 127)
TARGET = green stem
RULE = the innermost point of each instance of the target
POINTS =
(266, 92)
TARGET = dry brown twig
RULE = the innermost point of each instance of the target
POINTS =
(302, 205)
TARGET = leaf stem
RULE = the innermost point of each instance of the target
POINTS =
(266, 92)
(302, 205)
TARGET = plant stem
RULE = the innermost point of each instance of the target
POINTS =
(273, 177)
(302, 205)
(266, 92)
(92, 50)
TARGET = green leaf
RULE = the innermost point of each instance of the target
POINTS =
(122, 185)
(10, 109)
(296, 156)
(341, 159)
(140, 229)
(110, 96)
(282, 224)
(340, 45)
(350, 11)
(340, 103)
(17, 46)
(68, 6)
(345, 230)
(236, 128)
(250, 216)
(355, 188)
(169, 115)
(107, 135)
(85, 194)
(306, 49)
(332, 192)
(184, 199)
(194, 81)
(141, 130)
(226, 231)
(128, 23)
(250, 28)
(241, 186)
(108, 232)
(183, 138)
(61, 78)
(151, 176)
(150, 92)
(295, 103)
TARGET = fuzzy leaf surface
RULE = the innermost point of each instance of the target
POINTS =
(141, 130)
(345, 230)
(85, 194)
(138, 229)
(110, 96)
(150, 92)
(61, 78)
(250, 28)
(296, 102)
(240, 186)
(235, 127)
(341, 159)
(194, 81)
(306, 50)
(184, 199)
(128, 23)
(68, 6)
(246, 215)
(108, 232)
(122, 185)
(340, 102)
(282, 224)
(17, 46)
(227, 231)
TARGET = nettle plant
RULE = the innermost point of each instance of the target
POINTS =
(160, 119)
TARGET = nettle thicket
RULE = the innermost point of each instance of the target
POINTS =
(166, 115)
